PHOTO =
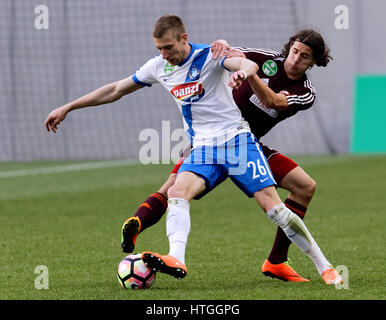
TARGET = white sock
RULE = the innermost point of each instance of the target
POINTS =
(178, 227)
(297, 232)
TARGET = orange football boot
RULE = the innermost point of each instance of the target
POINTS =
(130, 231)
(165, 264)
(281, 271)
(331, 276)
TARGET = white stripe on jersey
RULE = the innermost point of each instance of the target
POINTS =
(308, 85)
(305, 98)
(269, 52)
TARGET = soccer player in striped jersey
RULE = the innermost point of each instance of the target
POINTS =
(201, 87)
(281, 90)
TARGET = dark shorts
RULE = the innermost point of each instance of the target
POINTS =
(280, 165)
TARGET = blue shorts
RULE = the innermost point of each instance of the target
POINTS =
(241, 159)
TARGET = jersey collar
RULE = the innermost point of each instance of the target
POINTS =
(192, 49)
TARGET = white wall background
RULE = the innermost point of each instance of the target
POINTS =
(92, 42)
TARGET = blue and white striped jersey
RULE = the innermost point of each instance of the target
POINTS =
(199, 85)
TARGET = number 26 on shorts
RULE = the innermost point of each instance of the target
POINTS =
(257, 167)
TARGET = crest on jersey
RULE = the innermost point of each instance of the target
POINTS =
(194, 72)
(188, 92)
(270, 67)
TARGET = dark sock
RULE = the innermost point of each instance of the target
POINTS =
(281, 244)
(152, 210)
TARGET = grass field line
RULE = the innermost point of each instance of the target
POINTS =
(68, 168)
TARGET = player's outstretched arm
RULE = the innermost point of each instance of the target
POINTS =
(103, 95)
(243, 69)
(270, 99)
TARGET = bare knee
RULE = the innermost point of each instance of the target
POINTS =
(176, 192)
(309, 189)
(300, 185)
(267, 198)
(303, 193)
(168, 184)
(186, 186)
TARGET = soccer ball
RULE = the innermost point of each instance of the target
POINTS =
(133, 274)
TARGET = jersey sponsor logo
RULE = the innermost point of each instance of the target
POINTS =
(256, 101)
(168, 68)
(270, 68)
(188, 92)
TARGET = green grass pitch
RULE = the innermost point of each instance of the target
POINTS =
(70, 222)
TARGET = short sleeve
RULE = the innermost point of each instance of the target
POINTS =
(301, 96)
(258, 56)
(146, 75)
(222, 63)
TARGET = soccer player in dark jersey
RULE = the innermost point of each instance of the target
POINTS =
(278, 91)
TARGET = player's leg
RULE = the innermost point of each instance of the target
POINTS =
(148, 213)
(285, 172)
(291, 177)
(186, 186)
(193, 181)
(257, 180)
(258, 176)
(296, 231)
(277, 266)
(301, 187)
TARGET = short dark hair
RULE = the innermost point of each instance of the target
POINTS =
(313, 39)
(166, 23)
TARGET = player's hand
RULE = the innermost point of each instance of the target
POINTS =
(219, 48)
(54, 118)
(236, 79)
(231, 53)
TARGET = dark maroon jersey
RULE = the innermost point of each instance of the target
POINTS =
(301, 94)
